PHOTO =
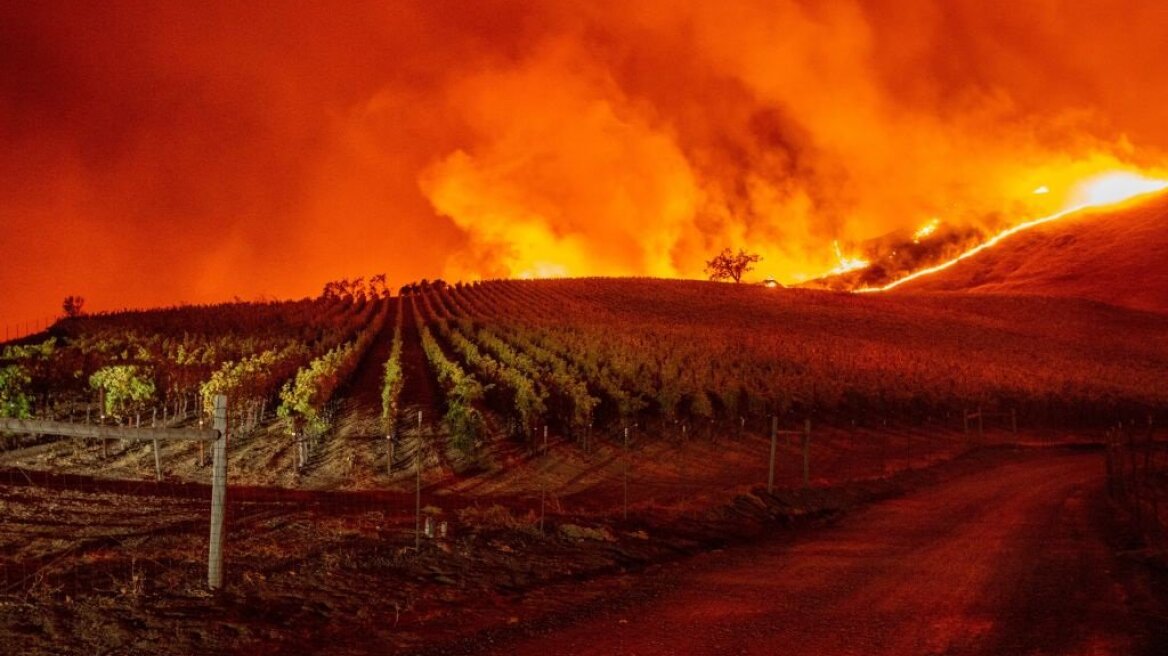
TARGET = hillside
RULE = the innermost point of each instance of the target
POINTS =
(538, 434)
(495, 366)
(1117, 256)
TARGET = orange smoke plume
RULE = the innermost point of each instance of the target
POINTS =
(178, 151)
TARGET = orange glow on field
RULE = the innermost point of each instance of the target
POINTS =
(1103, 190)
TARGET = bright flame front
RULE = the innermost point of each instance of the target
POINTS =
(926, 230)
(846, 264)
(1102, 190)
(1111, 188)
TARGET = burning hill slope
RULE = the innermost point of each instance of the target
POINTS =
(1114, 255)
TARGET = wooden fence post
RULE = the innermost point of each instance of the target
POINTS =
(774, 438)
(218, 495)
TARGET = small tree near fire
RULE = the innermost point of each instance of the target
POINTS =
(730, 266)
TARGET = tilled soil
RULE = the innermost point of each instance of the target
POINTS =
(119, 569)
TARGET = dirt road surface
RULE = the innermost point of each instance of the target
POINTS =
(1017, 560)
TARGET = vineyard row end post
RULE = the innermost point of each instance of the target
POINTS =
(218, 495)
(626, 475)
(418, 489)
(389, 454)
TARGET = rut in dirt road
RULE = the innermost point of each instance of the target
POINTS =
(1013, 561)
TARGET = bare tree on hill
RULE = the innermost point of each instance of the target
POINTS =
(730, 266)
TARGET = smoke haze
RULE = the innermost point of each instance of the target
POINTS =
(169, 151)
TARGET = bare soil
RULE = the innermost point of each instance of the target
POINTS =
(100, 566)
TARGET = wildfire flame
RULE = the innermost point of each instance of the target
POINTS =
(1106, 189)
(926, 230)
(523, 138)
(846, 264)
(1117, 187)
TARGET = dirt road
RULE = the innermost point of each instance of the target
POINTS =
(1012, 561)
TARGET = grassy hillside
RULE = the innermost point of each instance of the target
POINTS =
(1117, 256)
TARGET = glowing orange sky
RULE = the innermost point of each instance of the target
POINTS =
(173, 151)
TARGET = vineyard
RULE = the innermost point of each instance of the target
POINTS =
(521, 433)
(512, 364)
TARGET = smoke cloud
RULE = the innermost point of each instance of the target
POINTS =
(165, 152)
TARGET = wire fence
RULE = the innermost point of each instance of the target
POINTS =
(15, 330)
(85, 515)
(1137, 479)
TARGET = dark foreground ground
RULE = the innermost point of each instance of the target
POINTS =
(1018, 560)
(1000, 551)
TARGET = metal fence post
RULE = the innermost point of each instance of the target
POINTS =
(418, 488)
(389, 454)
(157, 463)
(218, 495)
(626, 475)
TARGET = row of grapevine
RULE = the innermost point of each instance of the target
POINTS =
(18, 365)
(574, 405)
(463, 392)
(689, 352)
(251, 381)
(573, 376)
(582, 386)
(176, 350)
(304, 397)
(393, 381)
(526, 397)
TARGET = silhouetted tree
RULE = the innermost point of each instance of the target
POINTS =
(377, 286)
(728, 266)
(357, 289)
(332, 289)
(74, 306)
